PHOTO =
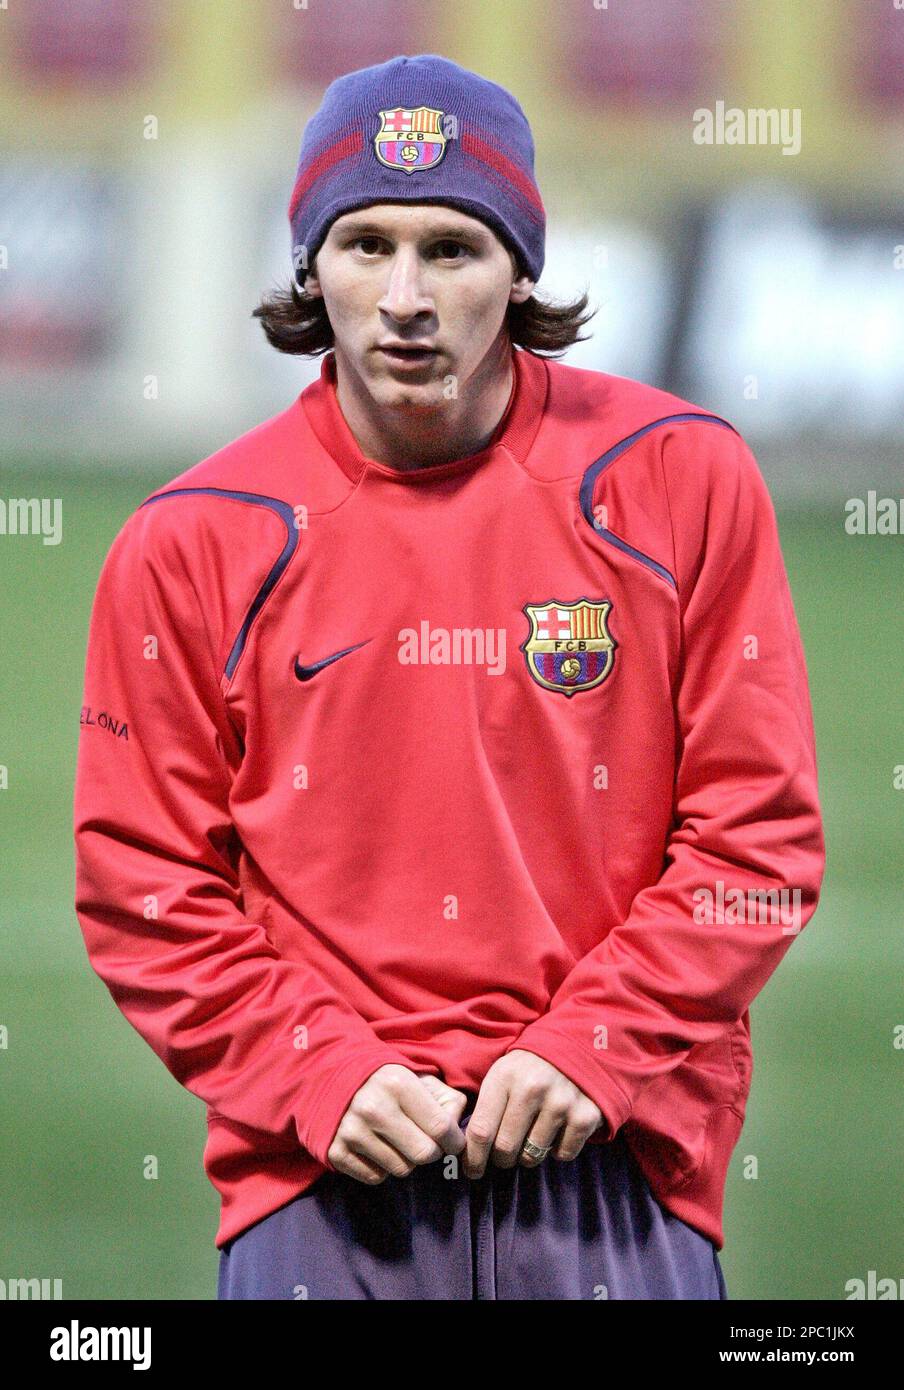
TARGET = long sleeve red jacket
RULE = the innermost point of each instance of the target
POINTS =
(421, 767)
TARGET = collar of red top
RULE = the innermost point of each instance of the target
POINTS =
(515, 431)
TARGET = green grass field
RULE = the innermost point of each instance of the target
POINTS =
(85, 1100)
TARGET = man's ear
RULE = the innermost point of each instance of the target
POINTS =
(311, 282)
(522, 285)
(522, 289)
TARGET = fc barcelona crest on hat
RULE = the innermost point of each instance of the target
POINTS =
(569, 647)
(410, 139)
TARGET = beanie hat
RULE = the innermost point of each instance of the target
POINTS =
(418, 129)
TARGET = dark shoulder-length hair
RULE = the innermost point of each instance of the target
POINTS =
(297, 322)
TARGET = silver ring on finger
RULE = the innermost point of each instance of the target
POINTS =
(531, 1150)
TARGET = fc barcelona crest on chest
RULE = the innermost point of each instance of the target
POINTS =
(569, 647)
(410, 139)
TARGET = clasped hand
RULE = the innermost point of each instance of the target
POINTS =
(399, 1120)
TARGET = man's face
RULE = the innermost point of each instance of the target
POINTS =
(406, 274)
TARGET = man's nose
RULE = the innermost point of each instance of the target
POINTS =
(406, 294)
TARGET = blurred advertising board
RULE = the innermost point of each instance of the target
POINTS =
(639, 52)
(795, 319)
(85, 40)
(62, 230)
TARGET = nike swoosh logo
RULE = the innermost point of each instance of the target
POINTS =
(304, 673)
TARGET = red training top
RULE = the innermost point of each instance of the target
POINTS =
(424, 766)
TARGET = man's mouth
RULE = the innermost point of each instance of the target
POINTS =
(408, 356)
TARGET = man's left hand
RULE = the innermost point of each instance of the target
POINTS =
(524, 1097)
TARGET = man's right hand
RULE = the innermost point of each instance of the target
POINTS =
(395, 1122)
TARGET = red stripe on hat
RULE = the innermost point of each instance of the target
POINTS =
(342, 149)
(480, 149)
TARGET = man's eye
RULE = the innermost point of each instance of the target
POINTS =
(448, 249)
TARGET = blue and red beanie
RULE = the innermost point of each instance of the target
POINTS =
(418, 130)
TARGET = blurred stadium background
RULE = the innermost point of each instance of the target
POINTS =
(146, 159)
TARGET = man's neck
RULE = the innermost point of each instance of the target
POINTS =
(412, 437)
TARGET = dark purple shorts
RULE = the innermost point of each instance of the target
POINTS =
(589, 1228)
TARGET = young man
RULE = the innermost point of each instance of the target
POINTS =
(469, 777)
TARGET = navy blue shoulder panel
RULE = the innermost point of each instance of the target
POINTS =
(589, 480)
(284, 512)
